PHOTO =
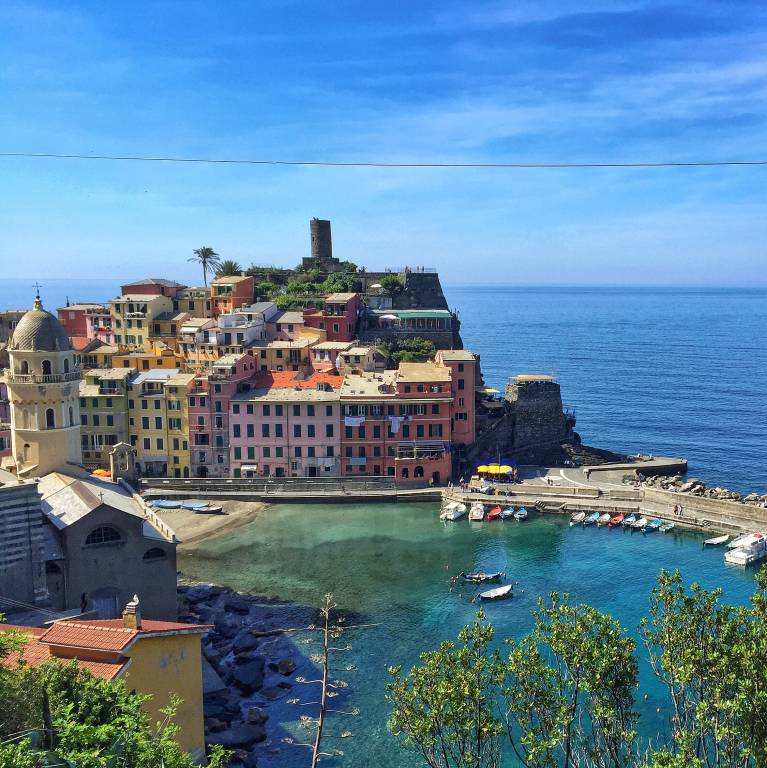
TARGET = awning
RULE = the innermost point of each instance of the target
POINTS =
(438, 314)
(249, 467)
(375, 285)
(388, 317)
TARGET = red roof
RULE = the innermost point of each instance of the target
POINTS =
(287, 380)
(79, 343)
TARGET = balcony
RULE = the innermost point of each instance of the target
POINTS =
(47, 378)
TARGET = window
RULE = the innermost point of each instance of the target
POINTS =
(236, 430)
(236, 408)
(157, 405)
(328, 430)
(249, 408)
(348, 451)
(310, 451)
(83, 419)
(278, 430)
(376, 431)
(461, 384)
(147, 443)
(278, 410)
(297, 451)
(296, 430)
(145, 404)
(251, 453)
(46, 367)
(50, 419)
(160, 444)
(82, 402)
(420, 388)
(264, 430)
(348, 433)
(419, 430)
(267, 452)
(266, 410)
(460, 367)
(237, 453)
(278, 453)
(104, 534)
(407, 387)
(154, 555)
(296, 410)
(435, 409)
(310, 410)
(96, 420)
(249, 429)
(310, 430)
(158, 422)
(329, 451)
(376, 450)
(361, 431)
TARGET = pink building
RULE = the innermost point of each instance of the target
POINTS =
(152, 286)
(286, 425)
(87, 321)
(209, 414)
(463, 381)
(338, 317)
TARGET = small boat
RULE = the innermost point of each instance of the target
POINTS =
(477, 511)
(520, 514)
(480, 577)
(652, 525)
(640, 523)
(499, 593)
(603, 519)
(751, 552)
(716, 541)
(194, 505)
(494, 513)
(629, 521)
(486, 488)
(209, 509)
(616, 520)
(166, 504)
(578, 517)
(507, 514)
(453, 511)
(592, 518)
(666, 527)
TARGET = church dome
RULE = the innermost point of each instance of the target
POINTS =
(40, 331)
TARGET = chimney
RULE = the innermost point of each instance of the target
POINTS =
(132, 614)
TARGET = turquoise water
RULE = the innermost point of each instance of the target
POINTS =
(390, 565)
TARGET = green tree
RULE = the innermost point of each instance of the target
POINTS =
(228, 268)
(445, 709)
(349, 266)
(391, 284)
(414, 349)
(338, 282)
(208, 259)
(266, 290)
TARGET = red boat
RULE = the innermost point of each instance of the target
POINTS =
(494, 513)
(616, 520)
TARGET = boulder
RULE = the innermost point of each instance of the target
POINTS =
(286, 667)
(249, 676)
(274, 692)
(257, 715)
(244, 642)
(241, 735)
(214, 725)
(226, 626)
(237, 604)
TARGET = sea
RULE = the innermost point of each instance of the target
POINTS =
(668, 371)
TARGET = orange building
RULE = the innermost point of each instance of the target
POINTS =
(230, 293)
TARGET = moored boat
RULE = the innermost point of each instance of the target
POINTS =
(520, 514)
(480, 577)
(194, 505)
(477, 511)
(640, 523)
(209, 509)
(578, 517)
(629, 521)
(716, 541)
(591, 519)
(603, 519)
(499, 593)
(751, 552)
(616, 520)
(742, 540)
(652, 525)
(166, 503)
(453, 511)
(494, 513)
(666, 527)
(507, 514)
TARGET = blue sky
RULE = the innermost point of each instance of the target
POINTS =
(427, 81)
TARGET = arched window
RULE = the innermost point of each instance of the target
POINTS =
(46, 367)
(104, 534)
(66, 365)
(154, 554)
(50, 419)
(405, 472)
(418, 472)
(24, 368)
(71, 417)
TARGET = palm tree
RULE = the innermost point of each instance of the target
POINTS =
(209, 260)
(228, 268)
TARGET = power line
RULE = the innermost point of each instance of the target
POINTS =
(376, 164)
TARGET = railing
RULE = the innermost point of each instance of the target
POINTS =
(43, 378)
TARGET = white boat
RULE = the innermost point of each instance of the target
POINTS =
(578, 517)
(604, 519)
(640, 523)
(743, 539)
(520, 514)
(477, 511)
(749, 553)
(716, 541)
(499, 593)
(592, 518)
(453, 511)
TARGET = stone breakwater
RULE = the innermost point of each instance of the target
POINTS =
(694, 487)
(252, 664)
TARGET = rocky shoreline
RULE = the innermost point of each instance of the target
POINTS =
(694, 487)
(251, 665)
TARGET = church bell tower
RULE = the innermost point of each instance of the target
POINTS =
(43, 389)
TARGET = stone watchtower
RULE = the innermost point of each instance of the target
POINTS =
(43, 389)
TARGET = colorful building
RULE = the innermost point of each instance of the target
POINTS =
(88, 321)
(286, 425)
(161, 659)
(464, 368)
(133, 315)
(154, 286)
(229, 293)
(338, 317)
(153, 356)
(177, 390)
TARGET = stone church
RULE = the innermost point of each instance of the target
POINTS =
(70, 541)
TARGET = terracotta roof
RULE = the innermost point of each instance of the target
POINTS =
(79, 343)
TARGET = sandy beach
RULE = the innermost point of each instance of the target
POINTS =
(192, 529)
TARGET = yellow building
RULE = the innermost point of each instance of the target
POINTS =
(133, 315)
(103, 413)
(149, 358)
(176, 397)
(160, 658)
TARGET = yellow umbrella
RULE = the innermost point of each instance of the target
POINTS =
(483, 468)
(494, 469)
(505, 468)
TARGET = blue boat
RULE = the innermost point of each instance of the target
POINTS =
(591, 519)
(629, 521)
(652, 525)
(507, 514)
(166, 503)
(520, 514)
(194, 504)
